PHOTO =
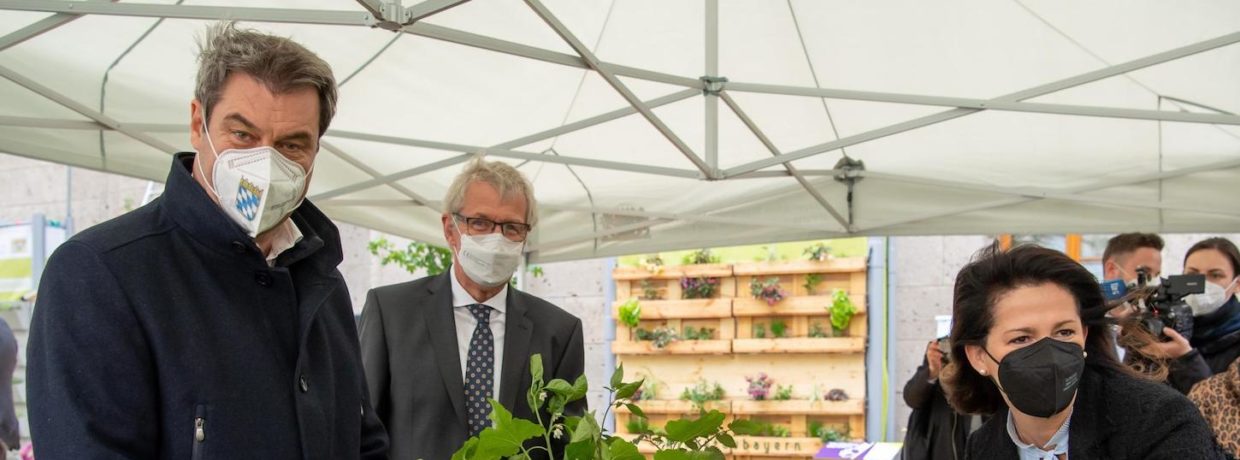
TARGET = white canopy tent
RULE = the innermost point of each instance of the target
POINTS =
(650, 125)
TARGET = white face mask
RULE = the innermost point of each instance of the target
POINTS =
(256, 187)
(489, 260)
(1209, 301)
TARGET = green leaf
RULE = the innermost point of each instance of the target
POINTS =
(583, 450)
(466, 451)
(688, 430)
(712, 453)
(617, 377)
(623, 450)
(536, 371)
(672, 454)
(627, 390)
(507, 435)
(560, 387)
(745, 427)
(636, 410)
(727, 440)
(580, 389)
(587, 429)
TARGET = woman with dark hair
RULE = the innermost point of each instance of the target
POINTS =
(1030, 345)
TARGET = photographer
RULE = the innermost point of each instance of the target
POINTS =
(935, 431)
(1030, 346)
(1126, 257)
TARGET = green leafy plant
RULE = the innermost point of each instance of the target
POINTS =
(759, 331)
(700, 256)
(693, 333)
(663, 336)
(702, 393)
(631, 313)
(816, 331)
(779, 328)
(783, 393)
(819, 252)
(811, 283)
(511, 438)
(698, 287)
(415, 256)
(842, 312)
(650, 291)
(652, 263)
(827, 433)
(767, 290)
(767, 429)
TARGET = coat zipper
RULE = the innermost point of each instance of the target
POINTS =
(200, 432)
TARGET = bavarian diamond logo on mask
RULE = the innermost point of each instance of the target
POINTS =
(249, 199)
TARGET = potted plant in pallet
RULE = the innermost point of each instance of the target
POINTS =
(842, 311)
(767, 290)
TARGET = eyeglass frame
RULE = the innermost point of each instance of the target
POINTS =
(522, 226)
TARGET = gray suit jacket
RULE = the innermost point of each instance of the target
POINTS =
(413, 369)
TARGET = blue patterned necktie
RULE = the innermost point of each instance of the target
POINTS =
(480, 371)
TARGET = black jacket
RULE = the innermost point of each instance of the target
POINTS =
(935, 430)
(163, 334)
(10, 429)
(413, 365)
(1116, 417)
(1201, 363)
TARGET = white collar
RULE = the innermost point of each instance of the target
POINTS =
(461, 297)
(285, 236)
(1059, 440)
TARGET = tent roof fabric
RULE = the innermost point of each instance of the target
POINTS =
(650, 125)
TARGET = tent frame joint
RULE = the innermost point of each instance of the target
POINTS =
(713, 85)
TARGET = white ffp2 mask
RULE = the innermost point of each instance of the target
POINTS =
(1209, 301)
(489, 260)
(256, 187)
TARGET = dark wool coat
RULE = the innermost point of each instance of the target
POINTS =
(163, 334)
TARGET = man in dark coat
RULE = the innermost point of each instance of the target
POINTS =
(10, 429)
(211, 323)
(437, 348)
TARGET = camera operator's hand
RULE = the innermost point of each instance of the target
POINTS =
(1172, 349)
(934, 359)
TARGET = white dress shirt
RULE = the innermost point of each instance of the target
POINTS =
(1058, 444)
(285, 237)
(466, 322)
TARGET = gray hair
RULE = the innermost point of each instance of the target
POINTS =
(505, 178)
(279, 63)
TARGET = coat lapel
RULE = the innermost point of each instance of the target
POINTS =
(517, 333)
(1090, 426)
(441, 326)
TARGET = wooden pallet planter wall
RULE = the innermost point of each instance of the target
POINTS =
(809, 356)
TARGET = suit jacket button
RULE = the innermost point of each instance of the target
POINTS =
(262, 278)
(303, 383)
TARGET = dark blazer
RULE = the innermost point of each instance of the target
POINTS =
(935, 430)
(167, 319)
(1116, 417)
(10, 429)
(413, 366)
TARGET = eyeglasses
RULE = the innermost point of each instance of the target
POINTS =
(514, 231)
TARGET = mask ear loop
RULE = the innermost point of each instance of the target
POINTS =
(198, 161)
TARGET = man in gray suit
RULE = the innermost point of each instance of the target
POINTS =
(436, 348)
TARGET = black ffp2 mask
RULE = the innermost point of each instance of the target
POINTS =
(1041, 379)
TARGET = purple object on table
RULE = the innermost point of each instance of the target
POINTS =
(844, 451)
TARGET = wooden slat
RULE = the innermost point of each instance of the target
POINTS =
(681, 309)
(800, 345)
(791, 306)
(777, 447)
(798, 407)
(844, 265)
(676, 407)
(683, 347)
(672, 272)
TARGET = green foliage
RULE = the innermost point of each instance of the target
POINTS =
(811, 283)
(650, 291)
(698, 287)
(535, 270)
(701, 256)
(702, 393)
(779, 328)
(631, 313)
(783, 393)
(827, 433)
(664, 336)
(764, 428)
(692, 333)
(759, 331)
(842, 311)
(816, 331)
(767, 290)
(434, 259)
(818, 252)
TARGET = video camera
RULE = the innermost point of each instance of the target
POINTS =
(1161, 305)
